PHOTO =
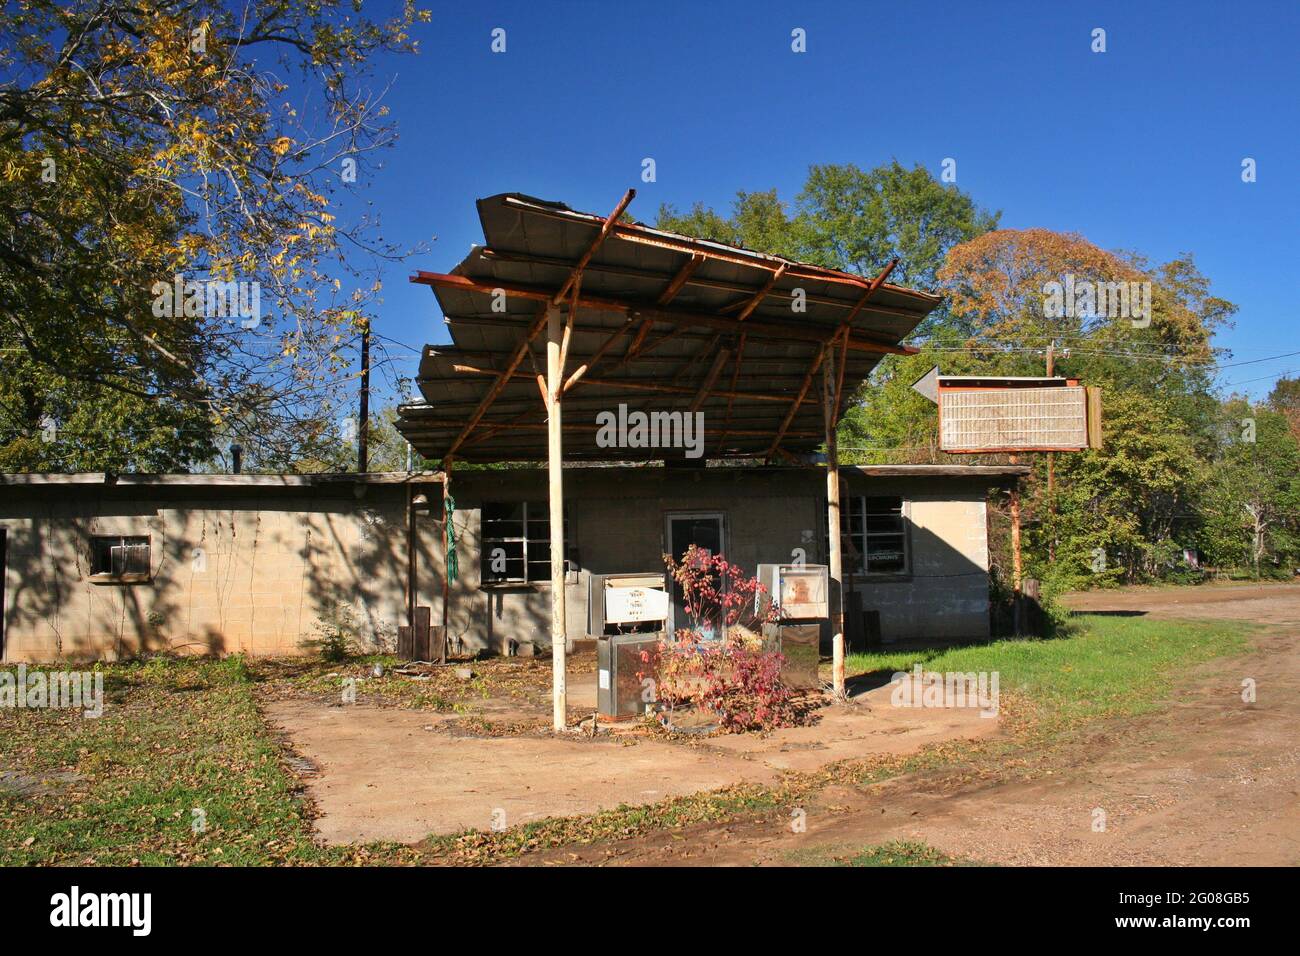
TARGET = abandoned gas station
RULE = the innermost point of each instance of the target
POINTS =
(562, 317)
(559, 321)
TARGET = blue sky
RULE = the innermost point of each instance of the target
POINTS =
(1139, 147)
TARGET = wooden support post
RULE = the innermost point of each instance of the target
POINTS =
(411, 555)
(1051, 471)
(836, 595)
(555, 466)
(1017, 582)
(447, 530)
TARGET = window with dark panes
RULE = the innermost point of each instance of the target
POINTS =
(874, 534)
(516, 542)
(119, 554)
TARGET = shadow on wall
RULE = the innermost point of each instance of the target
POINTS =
(53, 611)
(268, 568)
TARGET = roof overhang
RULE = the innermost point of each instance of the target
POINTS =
(658, 323)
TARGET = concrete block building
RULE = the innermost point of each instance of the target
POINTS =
(102, 567)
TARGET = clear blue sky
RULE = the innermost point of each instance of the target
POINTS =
(1139, 147)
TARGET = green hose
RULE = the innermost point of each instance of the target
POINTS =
(453, 562)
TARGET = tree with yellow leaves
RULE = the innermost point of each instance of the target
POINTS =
(170, 247)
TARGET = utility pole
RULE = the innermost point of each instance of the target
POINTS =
(363, 433)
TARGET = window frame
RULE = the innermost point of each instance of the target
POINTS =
(124, 576)
(860, 568)
(487, 542)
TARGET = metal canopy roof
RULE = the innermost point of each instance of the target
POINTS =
(663, 323)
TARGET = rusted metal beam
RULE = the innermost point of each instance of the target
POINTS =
(758, 297)
(794, 406)
(632, 385)
(710, 378)
(502, 378)
(639, 340)
(744, 257)
(756, 327)
(605, 230)
(721, 285)
(498, 427)
(876, 283)
(541, 379)
(735, 374)
(683, 274)
(586, 366)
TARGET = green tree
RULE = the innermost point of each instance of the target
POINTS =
(851, 219)
(1285, 400)
(1252, 509)
(1121, 512)
(858, 220)
(144, 141)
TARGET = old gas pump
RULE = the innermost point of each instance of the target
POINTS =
(627, 614)
(801, 593)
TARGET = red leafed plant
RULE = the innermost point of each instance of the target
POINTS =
(718, 662)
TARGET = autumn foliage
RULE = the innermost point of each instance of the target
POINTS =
(719, 663)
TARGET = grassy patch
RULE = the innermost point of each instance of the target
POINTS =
(121, 789)
(522, 681)
(1105, 667)
(897, 853)
(177, 735)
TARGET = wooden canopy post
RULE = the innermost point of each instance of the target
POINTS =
(555, 471)
(447, 531)
(411, 555)
(1017, 582)
(833, 522)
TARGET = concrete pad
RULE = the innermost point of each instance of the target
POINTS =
(402, 775)
(872, 725)
(384, 776)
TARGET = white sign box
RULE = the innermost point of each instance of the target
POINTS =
(634, 605)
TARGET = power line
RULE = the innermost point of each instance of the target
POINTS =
(1262, 378)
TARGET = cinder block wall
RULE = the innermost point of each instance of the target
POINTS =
(946, 593)
(617, 524)
(233, 570)
(271, 557)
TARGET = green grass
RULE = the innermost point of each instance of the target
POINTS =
(896, 853)
(181, 734)
(174, 736)
(1104, 667)
(900, 854)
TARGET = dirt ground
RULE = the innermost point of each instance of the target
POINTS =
(1207, 781)
(400, 775)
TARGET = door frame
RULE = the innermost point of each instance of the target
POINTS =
(669, 517)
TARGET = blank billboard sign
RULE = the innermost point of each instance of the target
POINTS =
(1015, 419)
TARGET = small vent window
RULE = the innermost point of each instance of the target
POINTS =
(119, 555)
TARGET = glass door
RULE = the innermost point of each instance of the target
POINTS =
(681, 530)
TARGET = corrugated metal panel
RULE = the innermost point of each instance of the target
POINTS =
(535, 244)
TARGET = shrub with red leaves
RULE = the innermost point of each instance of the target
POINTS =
(718, 663)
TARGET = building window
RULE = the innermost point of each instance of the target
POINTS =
(875, 535)
(120, 556)
(517, 542)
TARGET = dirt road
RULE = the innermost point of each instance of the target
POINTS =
(1209, 780)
